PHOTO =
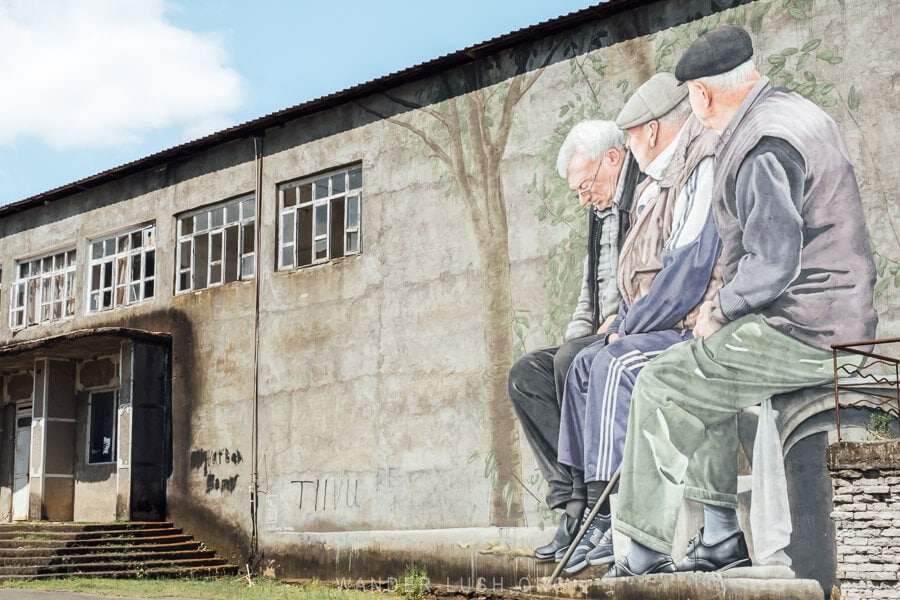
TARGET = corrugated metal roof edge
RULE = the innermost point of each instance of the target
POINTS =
(256, 126)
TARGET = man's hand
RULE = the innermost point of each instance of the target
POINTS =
(605, 325)
(612, 338)
(706, 325)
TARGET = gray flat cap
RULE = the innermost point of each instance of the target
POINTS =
(657, 96)
(714, 52)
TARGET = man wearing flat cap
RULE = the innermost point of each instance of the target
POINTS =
(798, 276)
(665, 271)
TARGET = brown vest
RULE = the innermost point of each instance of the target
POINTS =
(641, 256)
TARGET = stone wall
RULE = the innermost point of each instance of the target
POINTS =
(866, 479)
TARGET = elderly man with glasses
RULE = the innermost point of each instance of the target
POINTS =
(596, 166)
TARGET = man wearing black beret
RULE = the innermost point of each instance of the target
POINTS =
(798, 275)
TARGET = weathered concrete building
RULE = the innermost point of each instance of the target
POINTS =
(292, 336)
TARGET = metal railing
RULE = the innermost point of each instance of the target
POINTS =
(869, 387)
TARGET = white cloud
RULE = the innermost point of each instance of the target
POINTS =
(98, 73)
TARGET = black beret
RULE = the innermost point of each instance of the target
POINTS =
(714, 52)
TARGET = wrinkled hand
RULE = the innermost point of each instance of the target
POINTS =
(706, 325)
(605, 325)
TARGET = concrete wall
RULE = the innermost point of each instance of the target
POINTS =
(382, 436)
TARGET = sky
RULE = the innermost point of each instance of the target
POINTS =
(88, 85)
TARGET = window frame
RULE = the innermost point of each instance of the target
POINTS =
(115, 260)
(36, 283)
(290, 221)
(202, 225)
(114, 439)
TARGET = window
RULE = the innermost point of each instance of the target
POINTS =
(122, 269)
(43, 290)
(217, 245)
(102, 417)
(319, 218)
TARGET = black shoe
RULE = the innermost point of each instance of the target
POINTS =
(727, 554)
(621, 568)
(565, 535)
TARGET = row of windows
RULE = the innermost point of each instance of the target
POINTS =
(319, 221)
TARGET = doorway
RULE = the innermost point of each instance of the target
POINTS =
(22, 456)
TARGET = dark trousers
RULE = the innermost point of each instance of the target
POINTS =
(536, 384)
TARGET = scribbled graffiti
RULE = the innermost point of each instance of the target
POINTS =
(213, 463)
(317, 495)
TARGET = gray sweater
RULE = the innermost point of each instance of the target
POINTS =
(787, 207)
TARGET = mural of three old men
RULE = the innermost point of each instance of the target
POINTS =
(746, 256)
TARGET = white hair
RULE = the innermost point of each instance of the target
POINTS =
(730, 80)
(678, 114)
(590, 138)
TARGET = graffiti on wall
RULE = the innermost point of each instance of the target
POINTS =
(324, 494)
(217, 467)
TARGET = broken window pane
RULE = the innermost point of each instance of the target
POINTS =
(337, 183)
(304, 236)
(305, 191)
(336, 235)
(150, 263)
(101, 427)
(231, 253)
(201, 261)
(148, 288)
(248, 238)
(184, 281)
(215, 247)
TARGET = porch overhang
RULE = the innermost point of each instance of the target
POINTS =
(77, 344)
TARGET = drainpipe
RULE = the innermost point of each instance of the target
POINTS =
(254, 440)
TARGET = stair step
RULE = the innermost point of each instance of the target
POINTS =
(57, 543)
(119, 532)
(6, 553)
(43, 561)
(93, 567)
(160, 573)
(55, 526)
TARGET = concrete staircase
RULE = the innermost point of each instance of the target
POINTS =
(43, 550)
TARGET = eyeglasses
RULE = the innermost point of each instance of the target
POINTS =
(585, 186)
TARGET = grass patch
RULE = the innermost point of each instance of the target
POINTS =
(231, 588)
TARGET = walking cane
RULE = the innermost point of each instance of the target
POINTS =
(585, 526)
